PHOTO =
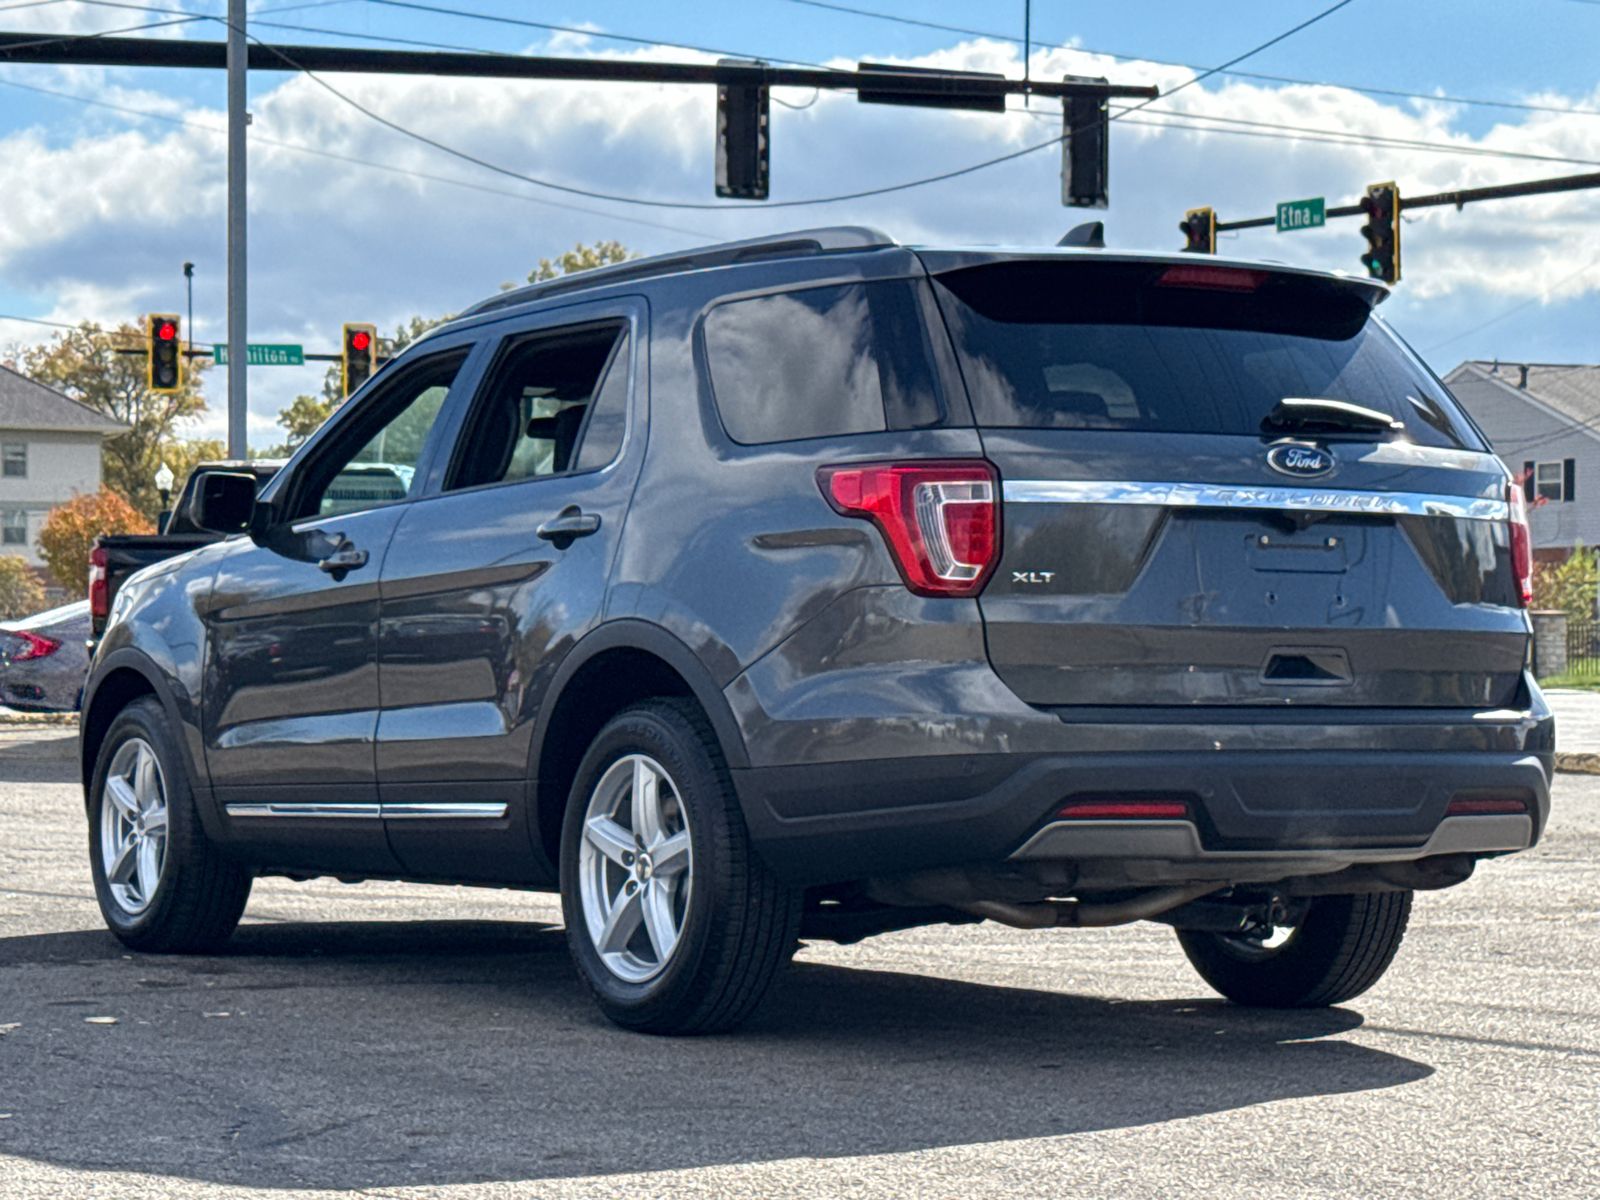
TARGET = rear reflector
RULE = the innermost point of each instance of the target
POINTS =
(1123, 810)
(941, 519)
(1216, 279)
(1485, 806)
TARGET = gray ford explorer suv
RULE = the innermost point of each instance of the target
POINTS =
(818, 586)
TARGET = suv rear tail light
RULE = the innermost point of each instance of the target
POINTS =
(99, 599)
(1521, 542)
(38, 646)
(941, 519)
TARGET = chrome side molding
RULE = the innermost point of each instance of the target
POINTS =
(1216, 495)
(369, 811)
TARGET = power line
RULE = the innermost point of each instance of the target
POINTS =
(1544, 295)
(615, 37)
(89, 37)
(858, 195)
(1332, 137)
(1373, 91)
(304, 149)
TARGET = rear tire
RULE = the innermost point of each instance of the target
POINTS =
(675, 924)
(1341, 948)
(162, 886)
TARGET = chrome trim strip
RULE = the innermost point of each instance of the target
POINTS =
(1216, 495)
(409, 811)
(347, 811)
(404, 811)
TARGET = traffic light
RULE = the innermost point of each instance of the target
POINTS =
(360, 354)
(1085, 149)
(1382, 231)
(743, 147)
(166, 355)
(1199, 226)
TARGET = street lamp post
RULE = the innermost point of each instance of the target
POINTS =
(164, 481)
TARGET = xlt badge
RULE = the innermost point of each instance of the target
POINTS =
(1032, 576)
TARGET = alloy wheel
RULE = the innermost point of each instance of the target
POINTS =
(635, 868)
(133, 825)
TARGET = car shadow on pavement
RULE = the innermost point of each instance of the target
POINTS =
(385, 1054)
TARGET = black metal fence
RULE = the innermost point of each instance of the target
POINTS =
(1583, 648)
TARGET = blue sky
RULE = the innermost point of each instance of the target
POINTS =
(104, 204)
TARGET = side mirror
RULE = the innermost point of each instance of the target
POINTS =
(224, 502)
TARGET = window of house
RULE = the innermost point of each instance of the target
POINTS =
(14, 528)
(14, 457)
(1554, 481)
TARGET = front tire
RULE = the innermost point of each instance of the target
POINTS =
(674, 922)
(162, 886)
(1340, 948)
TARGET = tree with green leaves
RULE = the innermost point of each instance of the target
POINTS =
(84, 364)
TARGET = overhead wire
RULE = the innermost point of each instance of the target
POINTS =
(1351, 87)
(298, 147)
(697, 206)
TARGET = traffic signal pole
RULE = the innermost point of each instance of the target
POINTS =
(238, 335)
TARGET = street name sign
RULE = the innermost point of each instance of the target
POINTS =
(265, 355)
(1301, 214)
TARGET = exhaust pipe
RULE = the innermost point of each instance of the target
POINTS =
(1078, 915)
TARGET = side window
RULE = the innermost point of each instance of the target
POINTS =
(602, 437)
(373, 460)
(819, 362)
(531, 416)
(15, 458)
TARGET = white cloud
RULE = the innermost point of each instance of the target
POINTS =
(97, 226)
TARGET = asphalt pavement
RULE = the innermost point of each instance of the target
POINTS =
(394, 1040)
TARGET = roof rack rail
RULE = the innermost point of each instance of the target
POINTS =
(780, 245)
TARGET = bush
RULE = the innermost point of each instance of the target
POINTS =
(1569, 586)
(21, 594)
(70, 530)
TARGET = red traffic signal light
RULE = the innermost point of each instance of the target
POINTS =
(360, 356)
(165, 353)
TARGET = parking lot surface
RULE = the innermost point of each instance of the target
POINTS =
(395, 1040)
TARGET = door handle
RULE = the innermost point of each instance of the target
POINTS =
(345, 558)
(572, 522)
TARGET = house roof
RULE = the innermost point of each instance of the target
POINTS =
(1572, 390)
(25, 404)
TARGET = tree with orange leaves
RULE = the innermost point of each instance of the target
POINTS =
(71, 528)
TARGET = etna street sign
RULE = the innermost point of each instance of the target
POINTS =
(265, 355)
(1300, 214)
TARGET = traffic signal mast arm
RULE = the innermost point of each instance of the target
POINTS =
(872, 83)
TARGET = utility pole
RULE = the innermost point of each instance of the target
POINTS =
(238, 333)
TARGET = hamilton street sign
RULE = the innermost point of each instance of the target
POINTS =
(265, 355)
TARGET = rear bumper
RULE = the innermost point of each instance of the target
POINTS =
(1257, 815)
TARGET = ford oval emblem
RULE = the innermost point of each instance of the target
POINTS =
(1300, 459)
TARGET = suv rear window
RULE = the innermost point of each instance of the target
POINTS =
(821, 362)
(1113, 346)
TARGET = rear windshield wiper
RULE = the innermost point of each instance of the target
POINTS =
(1294, 414)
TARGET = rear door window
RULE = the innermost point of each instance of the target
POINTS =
(1070, 346)
(821, 362)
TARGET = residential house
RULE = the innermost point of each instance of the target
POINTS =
(49, 453)
(1543, 420)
